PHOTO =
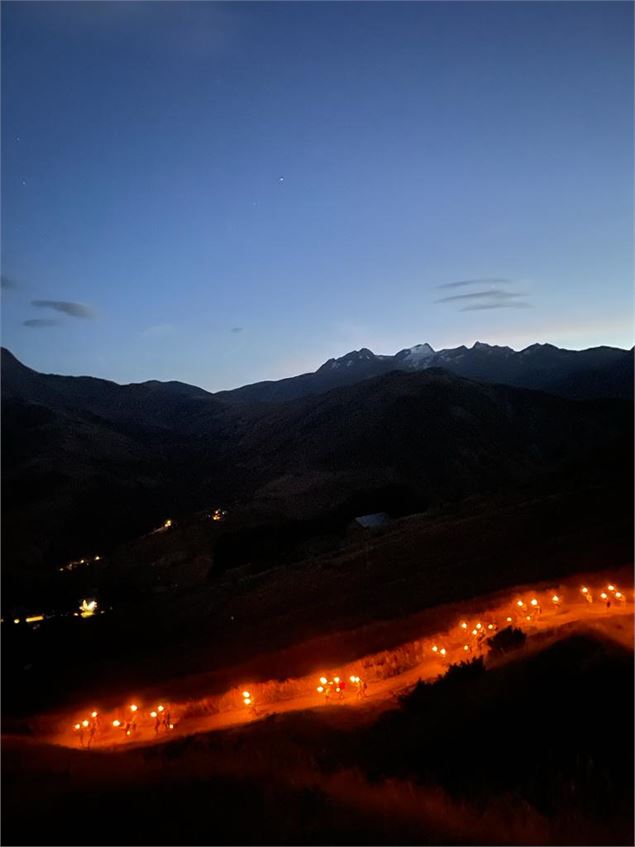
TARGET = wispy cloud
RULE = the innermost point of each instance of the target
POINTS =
(40, 323)
(488, 280)
(491, 295)
(75, 310)
(479, 307)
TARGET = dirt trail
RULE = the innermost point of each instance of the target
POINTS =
(387, 673)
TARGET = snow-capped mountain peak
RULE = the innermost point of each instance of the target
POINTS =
(415, 357)
(355, 357)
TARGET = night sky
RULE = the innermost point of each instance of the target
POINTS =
(222, 193)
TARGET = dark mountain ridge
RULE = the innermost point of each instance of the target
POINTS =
(150, 405)
(599, 372)
(440, 436)
(541, 366)
(88, 463)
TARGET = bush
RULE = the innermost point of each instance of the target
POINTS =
(507, 639)
(456, 676)
(464, 671)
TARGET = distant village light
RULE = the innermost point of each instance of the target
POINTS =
(87, 608)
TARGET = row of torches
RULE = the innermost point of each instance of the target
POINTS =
(128, 725)
(533, 606)
(336, 684)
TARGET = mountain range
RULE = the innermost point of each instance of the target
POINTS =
(88, 463)
(578, 374)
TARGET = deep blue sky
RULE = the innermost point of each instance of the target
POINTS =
(240, 191)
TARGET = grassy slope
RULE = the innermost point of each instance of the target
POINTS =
(416, 564)
(538, 750)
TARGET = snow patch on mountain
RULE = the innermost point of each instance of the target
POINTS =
(416, 357)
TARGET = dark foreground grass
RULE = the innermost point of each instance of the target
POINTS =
(538, 750)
